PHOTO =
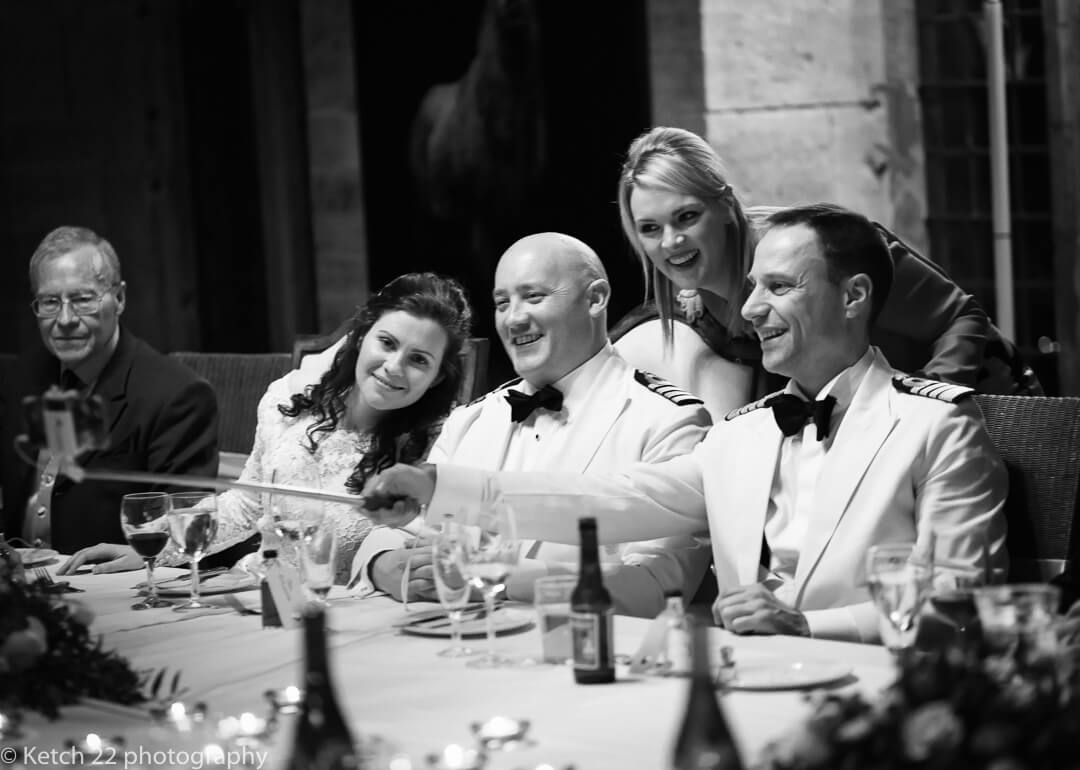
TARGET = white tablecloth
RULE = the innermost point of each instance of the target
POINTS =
(395, 686)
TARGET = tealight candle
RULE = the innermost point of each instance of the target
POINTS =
(9, 725)
(455, 757)
(287, 700)
(215, 755)
(500, 730)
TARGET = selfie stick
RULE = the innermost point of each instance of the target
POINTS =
(66, 437)
(77, 473)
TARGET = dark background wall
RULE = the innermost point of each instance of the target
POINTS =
(166, 127)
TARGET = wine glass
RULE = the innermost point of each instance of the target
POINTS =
(899, 586)
(293, 518)
(492, 552)
(451, 585)
(193, 523)
(146, 527)
(318, 559)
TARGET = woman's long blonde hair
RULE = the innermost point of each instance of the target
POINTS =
(681, 161)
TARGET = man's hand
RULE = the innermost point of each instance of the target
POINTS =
(106, 557)
(754, 609)
(388, 567)
(393, 497)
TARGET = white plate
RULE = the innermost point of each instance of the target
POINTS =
(226, 583)
(788, 675)
(507, 621)
(35, 557)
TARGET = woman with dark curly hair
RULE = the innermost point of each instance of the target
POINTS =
(382, 401)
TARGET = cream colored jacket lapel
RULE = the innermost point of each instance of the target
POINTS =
(865, 426)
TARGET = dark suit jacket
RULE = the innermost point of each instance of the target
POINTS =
(161, 418)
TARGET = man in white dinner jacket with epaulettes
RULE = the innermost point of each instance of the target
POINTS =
(897, 458)
(578, 407)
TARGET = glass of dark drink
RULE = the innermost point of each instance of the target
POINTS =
(144, 519)
(193, 523)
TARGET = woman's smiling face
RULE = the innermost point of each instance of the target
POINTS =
(399, 360)
(682, 235)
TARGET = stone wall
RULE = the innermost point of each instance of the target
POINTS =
(805, 100)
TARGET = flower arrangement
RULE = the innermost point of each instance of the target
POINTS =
(946, 709)
(47, 656)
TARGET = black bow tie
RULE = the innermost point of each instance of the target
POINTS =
(792, 413)
(521, 406)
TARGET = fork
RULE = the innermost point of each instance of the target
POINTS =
(41, 575)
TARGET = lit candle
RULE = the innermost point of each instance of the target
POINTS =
(287, 700)
(455, 757)
(214, 754)
(499, 731)
(179, 717)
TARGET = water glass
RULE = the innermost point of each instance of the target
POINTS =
(1019, 620)
(451, 585)
(318, 560)
(493, 551)
(899, 586)
(193, 523)
(551, 596)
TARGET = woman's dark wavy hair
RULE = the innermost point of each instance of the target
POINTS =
(402, 435)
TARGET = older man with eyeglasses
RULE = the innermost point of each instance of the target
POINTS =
(160, 416)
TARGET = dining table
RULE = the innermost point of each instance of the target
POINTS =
(400, 697)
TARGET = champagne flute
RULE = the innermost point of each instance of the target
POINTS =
(318, 559)
(451, 584)
(899, 586)
(490, 556)
(193, 523)
(143, 517)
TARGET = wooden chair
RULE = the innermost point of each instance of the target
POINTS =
(239, 379)
(474, 358)
(1039, 440)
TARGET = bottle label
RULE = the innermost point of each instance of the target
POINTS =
(591, 633)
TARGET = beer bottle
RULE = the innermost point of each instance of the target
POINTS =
(591, 614)
(704, 741)
(322, 740)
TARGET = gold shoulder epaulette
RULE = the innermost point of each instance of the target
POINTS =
(942, 391)
(504, 386)
(662, 387)
(763, 401)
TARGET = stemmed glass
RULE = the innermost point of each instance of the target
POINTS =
(899, 585)
(451, 585)
(193, 523)
(492, 552)
(318, 559)
(143, 517)
(296, 518)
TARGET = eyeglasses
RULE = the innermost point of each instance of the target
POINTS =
(81, 304)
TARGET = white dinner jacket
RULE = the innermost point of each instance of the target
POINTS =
(900, 465)
(614, 419)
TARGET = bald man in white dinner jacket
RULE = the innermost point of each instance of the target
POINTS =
(612, 416)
